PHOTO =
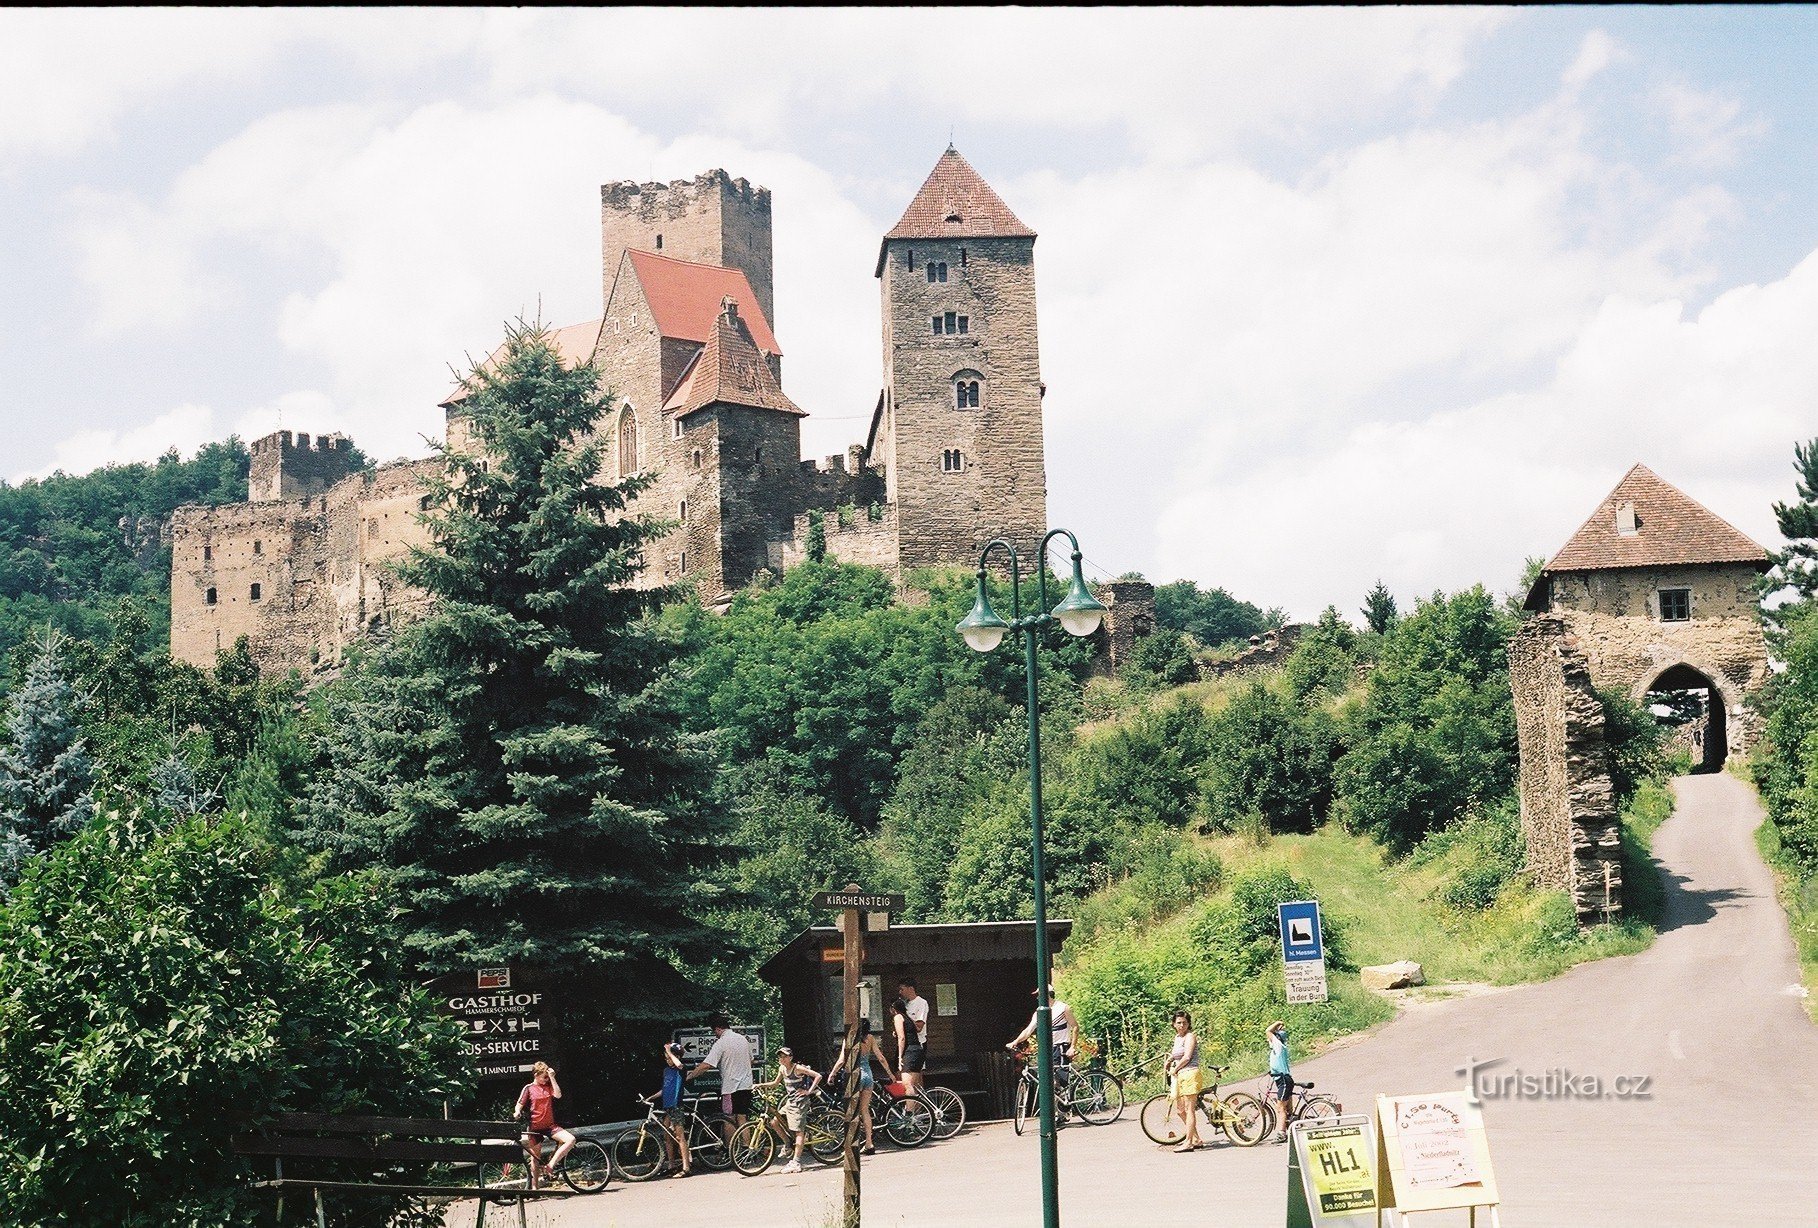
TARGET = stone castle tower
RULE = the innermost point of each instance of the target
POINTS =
(958, 429)
(686, 344)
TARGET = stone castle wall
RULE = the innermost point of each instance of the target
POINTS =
(1129, 616)
(711, 219)
(1615, 618)
(293, 467)
(1000, 488)
(1568, 807)
(320, 566)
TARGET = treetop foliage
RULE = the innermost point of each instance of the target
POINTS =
(513, 761)
(1212, 616)
(46, 772)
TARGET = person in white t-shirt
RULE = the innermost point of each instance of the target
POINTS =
(731, 1056)
(913, 1059)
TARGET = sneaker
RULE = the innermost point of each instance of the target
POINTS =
(794, 1166)
(1281, 1136)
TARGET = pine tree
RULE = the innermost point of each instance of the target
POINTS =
(1796, 567)
(1379, 609)
(46, 775)
(513, 760)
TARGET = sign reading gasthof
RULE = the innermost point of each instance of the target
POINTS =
(865, 901)
(504, 1024)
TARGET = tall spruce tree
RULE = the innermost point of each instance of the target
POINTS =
(1379, 609)
(513, 761)
(46, 774)
(1796, 567)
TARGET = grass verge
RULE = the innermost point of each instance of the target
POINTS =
(1799, 896)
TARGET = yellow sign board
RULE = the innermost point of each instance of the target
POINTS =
(1434, 1153)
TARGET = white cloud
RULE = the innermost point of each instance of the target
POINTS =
(424, 233)
(185, 428)
(1711, 402)
(1597, 52)
(1709, 129)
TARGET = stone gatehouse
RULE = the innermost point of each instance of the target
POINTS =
(686, 343)
(1653, 597)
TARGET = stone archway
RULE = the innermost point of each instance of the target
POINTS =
(1692, 705)
(1683, 671)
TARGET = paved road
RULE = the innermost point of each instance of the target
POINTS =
(1709, 1012)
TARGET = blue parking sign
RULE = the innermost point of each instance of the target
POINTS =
(1301, 940)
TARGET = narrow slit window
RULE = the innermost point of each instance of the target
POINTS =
(208, 553)
(255, 592)
(965, 323)
(682, 512)
(684, 562)
(208, 598)
(258, 546)
(659, 243)
(962, 257)
(675, 428)
(697, 458)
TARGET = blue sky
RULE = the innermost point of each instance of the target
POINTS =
(1326, 295)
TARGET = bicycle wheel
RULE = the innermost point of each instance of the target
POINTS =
(1244, 1119)
(1160, 1121)
(949, 1110)
(753, 1148)
(1096, 1096)
(1025, 1104)
(586, 1168)
(1317, 1108)
(709, 1141)
(826, 1131)
(909, 1122)
(639, 1153)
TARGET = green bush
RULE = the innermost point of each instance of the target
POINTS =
(1480, 853)
(1271, 756)
(150, 981)
(1147, 768)
(1164, 658)
(1169, 871)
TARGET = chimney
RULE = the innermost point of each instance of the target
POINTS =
(1627, 523)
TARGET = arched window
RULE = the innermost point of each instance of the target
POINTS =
(968, 388)
(628, 442)
(952, 461)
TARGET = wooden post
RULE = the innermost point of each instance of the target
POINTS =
(855, 966)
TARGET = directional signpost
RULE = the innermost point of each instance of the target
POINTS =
(853, 905)
(1303, 951)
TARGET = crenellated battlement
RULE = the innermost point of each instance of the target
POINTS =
(288, 466)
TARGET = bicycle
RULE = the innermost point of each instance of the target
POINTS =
(756, 1144)
(586, 1169)
(948, 1109)
(642, 1153)
(1094, 1095)
(1301, 1107)
(905, 1119)
(1240, 1116)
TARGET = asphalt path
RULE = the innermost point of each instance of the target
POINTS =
(1710, 1015)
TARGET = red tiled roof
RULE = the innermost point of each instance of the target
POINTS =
(729, 371)
(685, 298)
(1671, 529)
(574, 344)
(956, 202)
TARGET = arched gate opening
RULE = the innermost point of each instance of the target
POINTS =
(1689, 704)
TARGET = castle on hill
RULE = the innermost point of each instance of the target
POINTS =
(687, 344)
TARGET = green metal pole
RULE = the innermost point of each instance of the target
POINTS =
(1044, 1032)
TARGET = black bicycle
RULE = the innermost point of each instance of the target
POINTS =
(641, 1152)
(1093, 1094)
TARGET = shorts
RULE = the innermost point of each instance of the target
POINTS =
(1186, 1082)
(541, 1136)
(736, 1103)
(866, 1078)
(915, 1059)
(794, 1112)
(1284, 1086)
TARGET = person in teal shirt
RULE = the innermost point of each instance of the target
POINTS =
(1282, 1072)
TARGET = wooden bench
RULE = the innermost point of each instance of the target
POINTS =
(381, 1145)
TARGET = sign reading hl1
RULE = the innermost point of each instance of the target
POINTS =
(865, 900)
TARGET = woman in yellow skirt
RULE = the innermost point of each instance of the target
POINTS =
(1183, 1074)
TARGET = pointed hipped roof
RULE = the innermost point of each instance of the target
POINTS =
(955, 202)
(1648, 522)
(729, 370)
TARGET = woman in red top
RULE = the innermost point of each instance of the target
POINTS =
(540, 1094)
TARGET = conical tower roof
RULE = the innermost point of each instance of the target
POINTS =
(956, 203)
(729, 370)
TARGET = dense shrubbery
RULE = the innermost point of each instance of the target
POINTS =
(70, 547)
(153, 980)
(1269, 756)
(1211, 615)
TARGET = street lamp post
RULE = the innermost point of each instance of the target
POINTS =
(1078, 613)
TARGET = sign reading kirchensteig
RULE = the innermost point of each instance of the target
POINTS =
(867, 901)
(506, 1017)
